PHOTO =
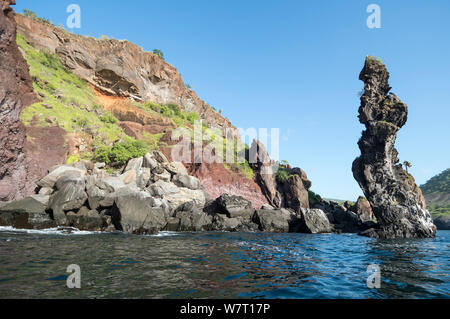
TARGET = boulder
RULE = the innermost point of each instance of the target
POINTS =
(111, 184)
(194, 221)
(396, 200)
(87, 219)
(296, 192)
(46, 191)
(160, 157)
(28, 213)
(314, 221)
(143, 177)
(134, 164)
(223, 223)
(163, 176)
(129, 177)
(96, 196)
(185, 195)
(161, 188)
(134, 212)
(275, 221)
(184, 180)
(363, 209)
(230, 205)
(70, 193)
(149, 161)
(59, 171)
(176, 168)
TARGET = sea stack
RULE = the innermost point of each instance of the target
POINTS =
(396, 200)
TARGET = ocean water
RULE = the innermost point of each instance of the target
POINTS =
(33, 264)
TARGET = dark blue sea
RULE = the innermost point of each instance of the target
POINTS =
(33, 264)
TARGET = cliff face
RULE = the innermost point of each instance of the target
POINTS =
(396, 200)
(118, 68)
(16, 92)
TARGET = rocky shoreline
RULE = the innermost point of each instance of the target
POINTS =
(152, 194)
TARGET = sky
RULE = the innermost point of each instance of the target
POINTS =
(294, 65)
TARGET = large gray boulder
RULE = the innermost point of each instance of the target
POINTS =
(177, 196)
(135, 212)
(59, 171)
(176, 168)
(274, 221)
(70, 195)
(314, 221)
(134, 164)
(232, 205)
(187, 181)
(191, 221)
(224, 223)
(29, 213)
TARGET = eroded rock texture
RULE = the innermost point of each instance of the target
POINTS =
(396, 200)
(16, 92)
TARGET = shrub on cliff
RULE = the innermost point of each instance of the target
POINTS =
(158, 53)
(108, 118)
(120, 153)
(314, 198)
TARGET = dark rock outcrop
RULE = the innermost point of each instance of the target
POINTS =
(263, 166)
(396, 200)
(362, 209)
(295, 190)
(16, 93)
(28, 213)
(232, 205)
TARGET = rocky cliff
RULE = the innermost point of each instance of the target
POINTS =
(118, 68)
(81, 113)
(16, 93)
(396, 200)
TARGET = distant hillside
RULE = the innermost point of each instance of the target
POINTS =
(437, 194)
(437, 189)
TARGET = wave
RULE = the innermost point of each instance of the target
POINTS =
(70, 231)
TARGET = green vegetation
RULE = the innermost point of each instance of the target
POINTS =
(70, 101)
(282, 175)
(108, 118)
(439, 183)
(439, 211)
(437, 194)
(171, 111)
(314, 198)
(374, 58)
(158, 53)
(407, 165)
(33, 15)
(120, 153)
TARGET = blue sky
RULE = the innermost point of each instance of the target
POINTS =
(294, 65)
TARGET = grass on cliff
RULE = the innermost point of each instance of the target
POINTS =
(68, 101)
